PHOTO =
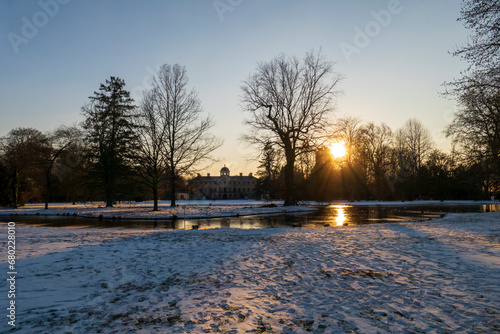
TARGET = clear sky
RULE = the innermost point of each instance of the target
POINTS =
(394, 56)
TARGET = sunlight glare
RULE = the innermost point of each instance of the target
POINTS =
(341, 218)
(338, 150)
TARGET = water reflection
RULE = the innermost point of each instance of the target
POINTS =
(490, 208)
(334, 215)
(341, 218)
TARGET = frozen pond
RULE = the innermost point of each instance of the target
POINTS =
(333, 215)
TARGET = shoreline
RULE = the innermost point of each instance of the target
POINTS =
(166, 213)
(196, 210)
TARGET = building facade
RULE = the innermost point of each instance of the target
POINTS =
(224, 186)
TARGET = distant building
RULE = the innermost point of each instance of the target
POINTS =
(181, 196)
(224, 186)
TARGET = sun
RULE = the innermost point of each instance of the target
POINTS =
(338, 150)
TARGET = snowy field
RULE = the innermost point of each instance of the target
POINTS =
(134, 210)
(438, 276)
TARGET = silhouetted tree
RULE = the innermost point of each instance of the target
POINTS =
(290, 103)
(184, 133)
(377, 141)
(483, 48)
(152, 132)
(4, 180)
(112, 142)
(268, 170)
(59, 141)
(476, 126)
(416, 143)
(349, 130)
(71, 170)
(435, 175)
(25, 150)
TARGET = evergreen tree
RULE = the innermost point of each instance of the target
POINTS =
(111, 139)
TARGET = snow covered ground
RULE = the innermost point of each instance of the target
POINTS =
(133, 210)
(438, 276)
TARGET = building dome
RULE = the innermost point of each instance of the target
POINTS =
(224, 171)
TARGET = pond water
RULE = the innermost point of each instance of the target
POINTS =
(333, 215)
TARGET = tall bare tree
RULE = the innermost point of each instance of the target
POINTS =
(476, 126)
(184, 131)
(290, 103)
(152, 132)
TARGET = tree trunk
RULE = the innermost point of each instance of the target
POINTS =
(155, 195)
(108, 193)
(172, 188)
(109, 200)
(49, 185)
(289, 178)
(15, 190)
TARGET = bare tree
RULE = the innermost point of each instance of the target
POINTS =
(152, 133)
(377, 141)
(476, 126)
(483, 49)
(436, 174)
(415, 140)
(24, 152)
(59, 141)
(349, 130)
(290, 103)
(185, 134)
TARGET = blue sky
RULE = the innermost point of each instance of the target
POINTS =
(48, 73)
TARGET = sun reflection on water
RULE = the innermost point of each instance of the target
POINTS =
(341, 218)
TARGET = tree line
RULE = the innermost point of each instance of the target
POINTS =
(121, 151)
(381, 164)
(124, 151)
